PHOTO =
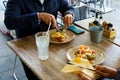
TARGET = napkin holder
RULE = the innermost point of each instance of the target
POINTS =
(107, 32)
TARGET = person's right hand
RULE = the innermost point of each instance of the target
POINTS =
(82, 76)
(47, 18)
(107, 72)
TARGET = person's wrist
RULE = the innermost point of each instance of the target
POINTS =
(117, 77)
(69, 12)
(118, 72)
(39, 19)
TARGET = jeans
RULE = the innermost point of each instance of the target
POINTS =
(30, 75)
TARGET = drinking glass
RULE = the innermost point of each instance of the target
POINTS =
(42, 43)
(96, 33)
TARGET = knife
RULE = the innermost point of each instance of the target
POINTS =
(82, 67)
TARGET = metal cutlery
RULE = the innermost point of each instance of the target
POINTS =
(82, 67)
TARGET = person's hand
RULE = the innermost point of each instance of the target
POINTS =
(82, 76)
(106, 71)
(47, 18)
(68, 20)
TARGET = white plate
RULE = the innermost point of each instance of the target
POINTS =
(100, 55)
(70, 37)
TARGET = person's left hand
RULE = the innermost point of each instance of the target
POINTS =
(106, 71)
(68, 20)
(82, 76)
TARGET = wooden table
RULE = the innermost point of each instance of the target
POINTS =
(25, 49)
(112, 17)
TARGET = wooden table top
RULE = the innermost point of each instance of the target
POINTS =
(112, 17)
(25, 49)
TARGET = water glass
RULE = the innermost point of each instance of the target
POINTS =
(42, 43)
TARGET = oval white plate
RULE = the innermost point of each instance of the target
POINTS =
(100, 55)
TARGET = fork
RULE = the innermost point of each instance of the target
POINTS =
(63, 29)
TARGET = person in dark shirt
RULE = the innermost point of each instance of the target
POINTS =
(28, 17)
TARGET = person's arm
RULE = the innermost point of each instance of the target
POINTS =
(106, 71)
(15, 19)
(67, 12)
(66, 8)
(47, 18)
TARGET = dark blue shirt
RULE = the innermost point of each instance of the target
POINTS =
(21, 15)
(118, 76)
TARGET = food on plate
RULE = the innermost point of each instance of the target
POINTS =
(84, 63)
(85, 52)
(91, 74)
(58, 36)
(83, 47)
(80, 62)
(77, 70)
(71, 69)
